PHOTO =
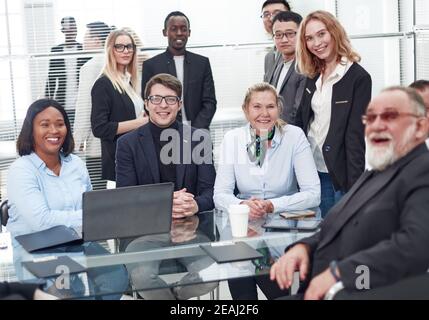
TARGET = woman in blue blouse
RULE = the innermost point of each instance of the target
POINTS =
(267, 165)
(46, 183)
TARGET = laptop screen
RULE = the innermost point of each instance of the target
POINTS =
(127, 212)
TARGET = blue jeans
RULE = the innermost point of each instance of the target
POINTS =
(329, 197)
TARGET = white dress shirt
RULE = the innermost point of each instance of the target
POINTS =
(285, 69)
(288, 176)
(321, 104)
(135, 97)
(179, 62)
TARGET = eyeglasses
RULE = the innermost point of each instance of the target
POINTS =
(170, 100)
(268, 15)
(386, 116)
(288, 34)
(121, 47)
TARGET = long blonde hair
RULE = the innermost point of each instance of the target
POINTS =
(262, 87)
(111, 71)
(310, 65)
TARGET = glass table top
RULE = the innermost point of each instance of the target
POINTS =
(156, 265)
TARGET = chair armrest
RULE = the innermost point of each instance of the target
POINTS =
(332, 292)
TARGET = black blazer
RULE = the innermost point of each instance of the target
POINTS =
(198, 87)
(381, 223)
(57, 72)
(344, 147)
(108, 108)
(137, 164)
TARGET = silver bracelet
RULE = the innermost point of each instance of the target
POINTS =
(338, 286)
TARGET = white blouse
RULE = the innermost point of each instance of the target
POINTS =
(288, 176)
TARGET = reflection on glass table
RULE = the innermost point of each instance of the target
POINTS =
(146, 274)
(173, 260)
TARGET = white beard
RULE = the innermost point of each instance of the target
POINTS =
(379, 158)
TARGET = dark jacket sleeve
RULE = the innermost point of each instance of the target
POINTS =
(206, 177)
(208, 99)
(269, 62)
(300, 87)
(312, 243)
(355, 136)
(299, 119)
(53, 74)
(125, 166)
(24, 290)
(147, 73)
(385, 260)
(102, 104)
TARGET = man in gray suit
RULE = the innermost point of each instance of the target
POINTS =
(269, 9)
(290, 84)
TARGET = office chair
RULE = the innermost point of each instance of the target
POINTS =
(4, 208)
(412, 288)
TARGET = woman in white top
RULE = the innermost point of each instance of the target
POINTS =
(268, 165)
(336, 95)
(267, 161)
(117, 106)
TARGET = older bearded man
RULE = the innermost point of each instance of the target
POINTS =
(380, 228)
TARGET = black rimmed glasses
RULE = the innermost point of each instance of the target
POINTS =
(121, 47)
(288, 34)
(386, 116)
(170, 100)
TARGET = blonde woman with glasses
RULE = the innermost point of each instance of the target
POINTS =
(117, 106)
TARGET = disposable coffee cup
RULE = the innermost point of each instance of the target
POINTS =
(238, 218)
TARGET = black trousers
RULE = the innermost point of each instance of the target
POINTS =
(245, 288)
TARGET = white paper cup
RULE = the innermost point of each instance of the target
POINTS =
(239, 218)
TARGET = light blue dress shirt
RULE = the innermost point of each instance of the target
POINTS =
(288, 176)
(40, 200)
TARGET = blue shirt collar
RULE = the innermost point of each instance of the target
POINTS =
(39, 163)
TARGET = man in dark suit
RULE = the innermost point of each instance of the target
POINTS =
(290, 84)
(63, 74)
(378, 233)
(165, 150)
(193, 71)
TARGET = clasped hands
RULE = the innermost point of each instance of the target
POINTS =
(258, 208)
(184, 204)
